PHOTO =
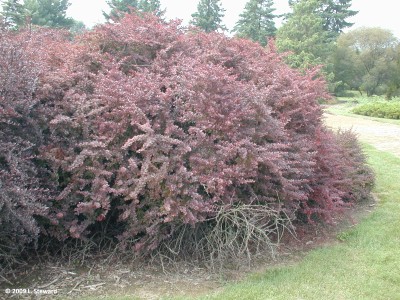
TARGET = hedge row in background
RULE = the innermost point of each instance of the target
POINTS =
(388, 110)
(138, 127)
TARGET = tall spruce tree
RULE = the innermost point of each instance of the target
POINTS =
(152, 6)
(12, 14)
(334, 14)
(257, 21)
(119, 8)
(209, 15)
(50, 13)
(306, 40)
(31, 8)
(304, 37)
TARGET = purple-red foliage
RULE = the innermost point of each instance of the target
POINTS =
(22, 193)
(147, 127)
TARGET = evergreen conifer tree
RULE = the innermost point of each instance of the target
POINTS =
(334, 14)
(50, 13)
(304, 36)
(152, 6)
(12, 14)
(209, 15)
(257, 21)
(119, 7)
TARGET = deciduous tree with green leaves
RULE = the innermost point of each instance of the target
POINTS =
(257, 21)
(394, 82)
(209, 15)
(366, 60)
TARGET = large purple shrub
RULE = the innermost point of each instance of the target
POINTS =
(147, 127)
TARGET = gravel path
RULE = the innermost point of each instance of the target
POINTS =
(383, 136)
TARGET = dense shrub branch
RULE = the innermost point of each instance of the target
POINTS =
(153, 130)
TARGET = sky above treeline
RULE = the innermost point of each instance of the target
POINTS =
(382, 13)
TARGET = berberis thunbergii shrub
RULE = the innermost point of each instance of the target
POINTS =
(146, 126)
(23, 193)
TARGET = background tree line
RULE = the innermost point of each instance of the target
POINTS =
(366, 59)
(50, 13)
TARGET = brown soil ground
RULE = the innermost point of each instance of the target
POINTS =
(102, 277)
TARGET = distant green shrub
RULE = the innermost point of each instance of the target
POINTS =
(388, 110)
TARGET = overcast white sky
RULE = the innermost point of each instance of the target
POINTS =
(382, 13)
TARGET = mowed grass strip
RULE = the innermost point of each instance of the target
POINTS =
(365, 265)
